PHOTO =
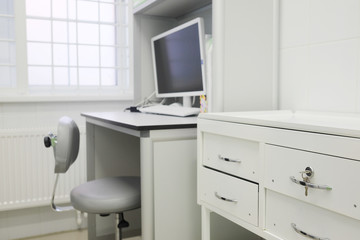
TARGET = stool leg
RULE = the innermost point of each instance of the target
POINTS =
(117, 231)
(121, 223)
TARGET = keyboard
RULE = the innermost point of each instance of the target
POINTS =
(171, 110)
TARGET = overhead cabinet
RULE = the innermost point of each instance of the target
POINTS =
(243, 67)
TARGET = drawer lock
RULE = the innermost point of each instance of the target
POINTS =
(306, 175)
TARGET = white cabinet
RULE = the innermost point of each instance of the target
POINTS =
(245, 59)
(306, 173)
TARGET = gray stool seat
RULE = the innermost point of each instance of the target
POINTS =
(107, 195)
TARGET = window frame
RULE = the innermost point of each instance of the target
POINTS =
(22, 92)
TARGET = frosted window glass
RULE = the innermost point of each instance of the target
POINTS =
(124, 16)
(72, 9)
(72, 32)
(61, 75)
(6, 7)
(125, 37)
(7, 28)
(38, 30)
(73, 76)
(73, 55)
(7, 53)
(88, 33)
(4, 53)
(124, 76)
(87, 11)
(124, 57)
(89, 76)
(8, 76)
(107, 13)
(39, 53)
(107, 34)
(60, 31)
(38, 8)
(39, 76)
(73, 42)
(5, 79)
(108, 55)
(108, 77)
(59, 9)
(88, 56)
(60, 54)
(12, 50)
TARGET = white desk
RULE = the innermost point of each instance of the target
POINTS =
(166, 147)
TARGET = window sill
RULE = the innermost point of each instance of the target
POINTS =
(64, 98)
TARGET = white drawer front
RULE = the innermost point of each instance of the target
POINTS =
(283, 211)
(342, 175)
(231, 155)
(232, 195)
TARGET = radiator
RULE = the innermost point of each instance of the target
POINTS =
(27, 170)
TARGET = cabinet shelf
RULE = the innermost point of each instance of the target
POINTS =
(168, 8)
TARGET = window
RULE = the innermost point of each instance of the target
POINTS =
(71, 47)
(7, 45)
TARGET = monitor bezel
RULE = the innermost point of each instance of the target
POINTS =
(200, 24)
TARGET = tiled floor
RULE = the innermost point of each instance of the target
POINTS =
(73, 235)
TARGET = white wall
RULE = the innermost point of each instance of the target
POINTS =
(320, 55)
(43, 114)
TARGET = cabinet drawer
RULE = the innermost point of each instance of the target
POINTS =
(230, 194)
(339, 174)
(283, 211)
(231, 155)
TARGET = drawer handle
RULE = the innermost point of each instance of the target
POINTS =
(225, 199)
(310, 185)
(306, 234)
(228, 159)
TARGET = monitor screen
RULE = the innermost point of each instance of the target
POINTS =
(178, 57)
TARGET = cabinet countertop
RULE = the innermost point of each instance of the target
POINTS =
(342, 124)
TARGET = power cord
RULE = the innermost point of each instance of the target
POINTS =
(146, 102)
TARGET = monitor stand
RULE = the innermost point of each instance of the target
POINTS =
(187, 101)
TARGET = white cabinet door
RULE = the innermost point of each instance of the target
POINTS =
(245, 55)
(176, 213)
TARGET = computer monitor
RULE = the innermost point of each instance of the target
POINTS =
(179, 61)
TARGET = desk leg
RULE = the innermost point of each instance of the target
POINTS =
(205, 223)
(147, 189)
(90, 158)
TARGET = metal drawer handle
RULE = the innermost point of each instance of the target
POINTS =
(310, 185)
(306, 234)
(228, 159)
(225, 199)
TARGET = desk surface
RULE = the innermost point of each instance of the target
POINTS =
(142, 121)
